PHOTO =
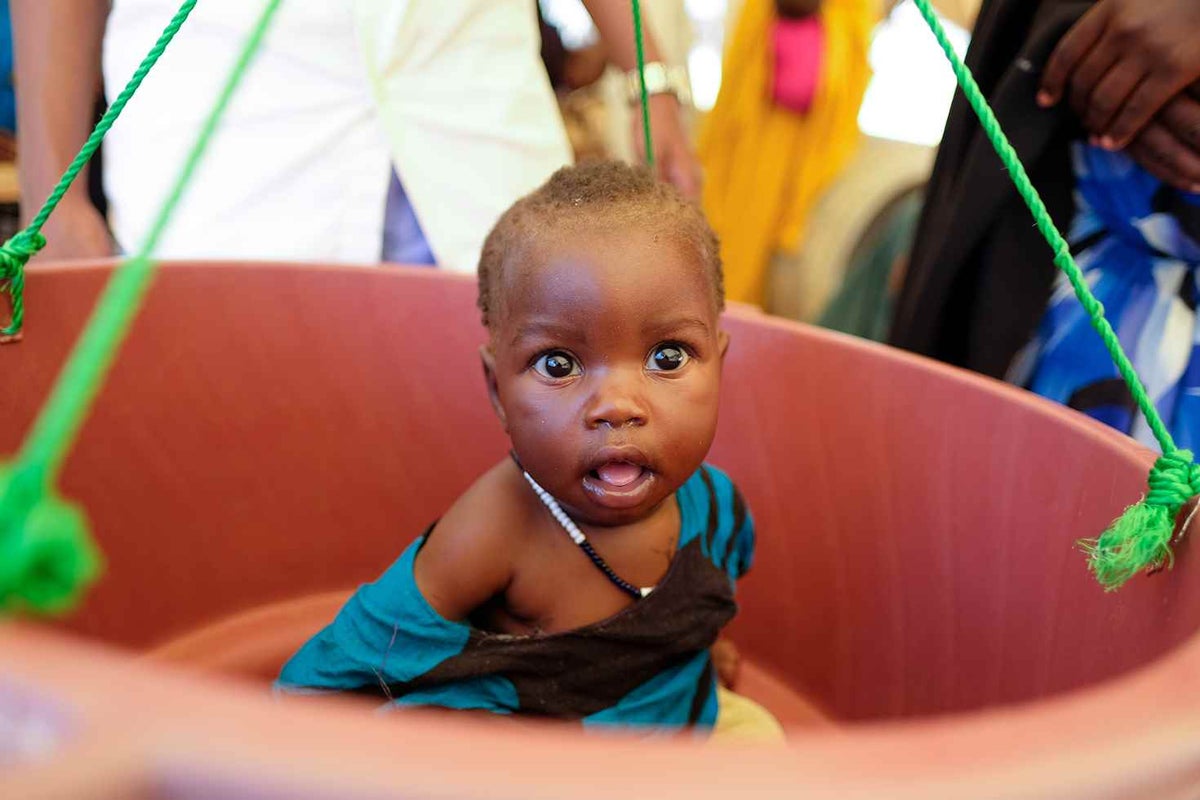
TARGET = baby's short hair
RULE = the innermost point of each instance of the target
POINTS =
(609, 192)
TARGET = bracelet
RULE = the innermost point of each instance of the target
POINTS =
(660, 79)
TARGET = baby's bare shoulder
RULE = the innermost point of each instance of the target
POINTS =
(492, 512)
(471, 552)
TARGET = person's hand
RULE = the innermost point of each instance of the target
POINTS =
(75, 230)
(1169, 147)
(1122, 62)
(727, 661)
(673, 157)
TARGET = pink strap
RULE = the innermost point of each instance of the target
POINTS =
(799, 45)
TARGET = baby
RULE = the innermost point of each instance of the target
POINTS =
(587, 576)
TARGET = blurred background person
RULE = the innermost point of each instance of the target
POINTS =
(392, 130)
(1100, 103)
(784, 126)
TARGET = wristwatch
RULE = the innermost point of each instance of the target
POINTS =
(660, 79)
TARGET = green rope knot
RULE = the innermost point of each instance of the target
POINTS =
(1174, 480)
(16, 252)
(1140, 539)
(47, 558)
(14, 255)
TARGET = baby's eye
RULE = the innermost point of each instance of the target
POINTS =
(667, 358)
(557, 365)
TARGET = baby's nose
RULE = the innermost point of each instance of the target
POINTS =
(616, 401)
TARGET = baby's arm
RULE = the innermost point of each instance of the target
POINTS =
(468, 558)
(406, 622)
(727, 661)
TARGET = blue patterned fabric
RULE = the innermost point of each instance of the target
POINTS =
(647, 665)
(1137, 241)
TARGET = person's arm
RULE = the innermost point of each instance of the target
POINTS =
(1122, 62)
(674, 159)
(57, 71)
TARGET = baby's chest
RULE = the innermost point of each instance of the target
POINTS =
(560, 587)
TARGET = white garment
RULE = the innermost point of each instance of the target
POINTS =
(452, 92)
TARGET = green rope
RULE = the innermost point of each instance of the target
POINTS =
(641, 67)
(16, 252)
(34, 521)
(1140, 538)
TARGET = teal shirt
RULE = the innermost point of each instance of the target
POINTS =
(647, 665)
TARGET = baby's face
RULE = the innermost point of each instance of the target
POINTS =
(606, 369)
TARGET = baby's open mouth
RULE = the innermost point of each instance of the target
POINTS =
(618, 473)
(619, 484)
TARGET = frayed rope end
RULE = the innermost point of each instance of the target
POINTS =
(47, 557)
(1140, 539)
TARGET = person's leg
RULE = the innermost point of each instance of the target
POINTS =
(740, 719)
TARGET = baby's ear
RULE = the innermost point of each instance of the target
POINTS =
(723, 342)
(489, 374)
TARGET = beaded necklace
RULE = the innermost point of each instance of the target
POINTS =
(578, 538)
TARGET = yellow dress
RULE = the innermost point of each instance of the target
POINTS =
(765, 166)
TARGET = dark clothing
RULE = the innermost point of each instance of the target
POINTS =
(980, 273)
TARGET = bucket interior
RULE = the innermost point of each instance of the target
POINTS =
(278, 434)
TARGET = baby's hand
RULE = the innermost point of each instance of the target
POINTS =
(727, 661)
